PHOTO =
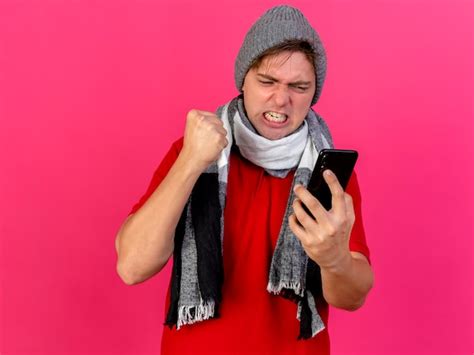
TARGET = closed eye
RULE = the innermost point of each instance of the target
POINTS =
(300, 88)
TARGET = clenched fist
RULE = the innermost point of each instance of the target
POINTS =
(204, 138)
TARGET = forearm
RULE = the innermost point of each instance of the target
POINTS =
(346, 285)
(145, 241)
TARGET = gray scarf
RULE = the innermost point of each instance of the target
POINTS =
(197, 268)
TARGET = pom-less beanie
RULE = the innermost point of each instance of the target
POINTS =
(276, 26)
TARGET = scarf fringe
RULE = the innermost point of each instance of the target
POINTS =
(194, 314)
(292, 285)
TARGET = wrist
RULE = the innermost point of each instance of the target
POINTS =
(340, 267)
(190, 165)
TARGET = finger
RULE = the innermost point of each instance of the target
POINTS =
(217, 124)
(204, 116)
(198, 114)
(212, 123)
(205, 113)
(225, 143)
(297, 229)
(221, 130)
(306, 220)
(311, 203)
(337, 192)
(214, 119)
(349, 207)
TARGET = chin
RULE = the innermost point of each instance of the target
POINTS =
(273, 136)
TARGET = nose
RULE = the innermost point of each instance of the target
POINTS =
(281, 96)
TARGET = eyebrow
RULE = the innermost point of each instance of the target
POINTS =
(269, 77)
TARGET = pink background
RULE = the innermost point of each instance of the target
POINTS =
(92, 93)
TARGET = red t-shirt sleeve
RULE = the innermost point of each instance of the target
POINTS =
(357, 240)
(160, 173)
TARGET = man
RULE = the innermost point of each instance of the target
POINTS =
(252, 271)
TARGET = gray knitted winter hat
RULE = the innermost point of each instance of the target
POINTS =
(278, 25)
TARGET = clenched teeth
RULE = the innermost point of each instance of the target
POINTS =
(275, 116)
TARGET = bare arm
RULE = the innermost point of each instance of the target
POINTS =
(144, 243)
(347, 285)
(346, 276)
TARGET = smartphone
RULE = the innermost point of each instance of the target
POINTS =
(340, 162)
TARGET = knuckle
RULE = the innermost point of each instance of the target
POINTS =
(298, 188)
(296, 204)
(298, 211)
(342, 225)
(314, 243)
(331, 229)
(304, 241)
(202, 118)
(348, 198)
(338, 192)
(292, 219)
(312, 204)
(211, 117)
(309, 242)
(302, 217)
(192, 114)
(351, 217)
(293, 224)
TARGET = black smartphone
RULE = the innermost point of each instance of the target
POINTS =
(340, 162)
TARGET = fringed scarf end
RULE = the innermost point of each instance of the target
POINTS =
(295, 286)
(311, 322)
(194, 314)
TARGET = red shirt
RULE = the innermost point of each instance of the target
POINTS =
(252, 320)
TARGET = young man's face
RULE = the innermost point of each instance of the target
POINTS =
(278, 94)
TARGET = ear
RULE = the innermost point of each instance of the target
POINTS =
(244, 83)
